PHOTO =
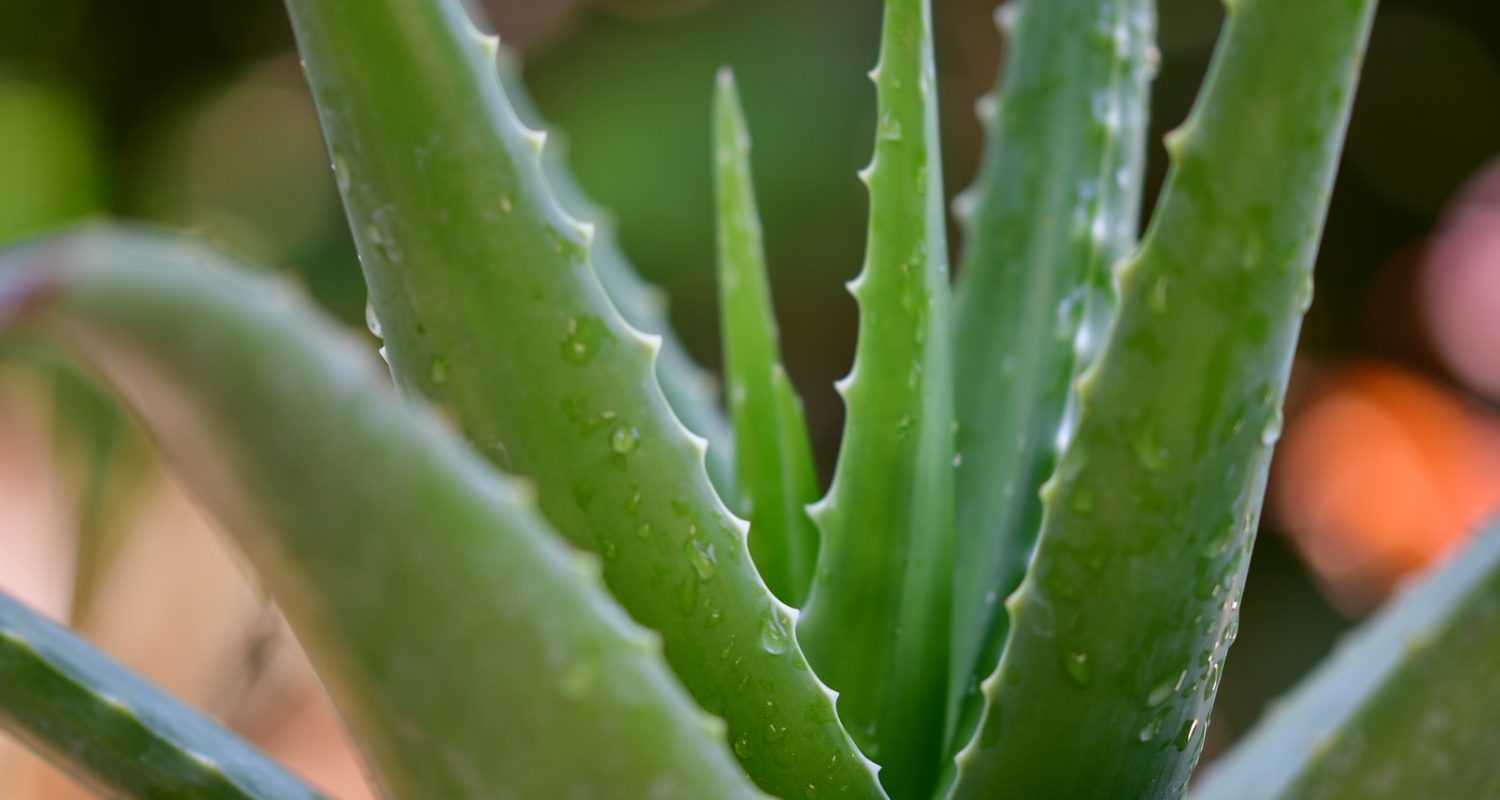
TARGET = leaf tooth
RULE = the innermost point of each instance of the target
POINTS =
(490, 44)
(585, 231)
(987, 110)
(1178, 140)
(1007, 15)
(586, 564)
(536, 138)
(843, 385)
(855, 285)
(966, 205)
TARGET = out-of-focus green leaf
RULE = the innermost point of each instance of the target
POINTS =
(1405, 708)
(116, 732)
(406, 566)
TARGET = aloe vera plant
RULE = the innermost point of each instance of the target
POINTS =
(1032, 551)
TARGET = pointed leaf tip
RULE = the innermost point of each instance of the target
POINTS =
(777, 477)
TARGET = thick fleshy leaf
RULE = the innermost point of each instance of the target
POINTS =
(483, 290)
(690, 390)
(777, 477)
(116, 732)
(405, 564)
(1405, 708)
(1120, 627)
(876, 625)
(1056, 204)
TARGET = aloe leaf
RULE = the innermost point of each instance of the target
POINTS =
(114, 731)
(876, 622)
(777, 477)
(1406, 706)
(395, 552)
(690, 390)
(1055, 205)
(1123, 621)
(483, 290)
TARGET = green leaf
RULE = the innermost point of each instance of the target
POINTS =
(1121, 625)
(1406, 707)
(690, 390)
(778, 479)
(113, 730)
(483, 290)
(876, 623)
(1056, 204)
(406, 566)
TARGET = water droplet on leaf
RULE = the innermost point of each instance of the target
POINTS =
(624, 439)
(1077, 667)
(773, 635)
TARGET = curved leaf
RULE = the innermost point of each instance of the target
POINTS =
(470, 652)
(113, 730)
(1406, 707)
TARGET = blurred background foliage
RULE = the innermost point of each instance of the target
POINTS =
(192, 114)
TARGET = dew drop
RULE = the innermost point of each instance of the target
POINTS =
(623, 440)
(586, 335)
(1271, 432)
(1305, 292)
(341, 172)
(1185, 734)
(1077, 667)
(643, 530)
(384, 244)
(773, 635)
(1208, 588)
(890, 128)
(1150, 730)
(904, 425)
(701, 558)
(567, 246)
(1159, 298)
(1164, 690)
(742, 745)
(437, 371)
(373, 322)
(1148, 450)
